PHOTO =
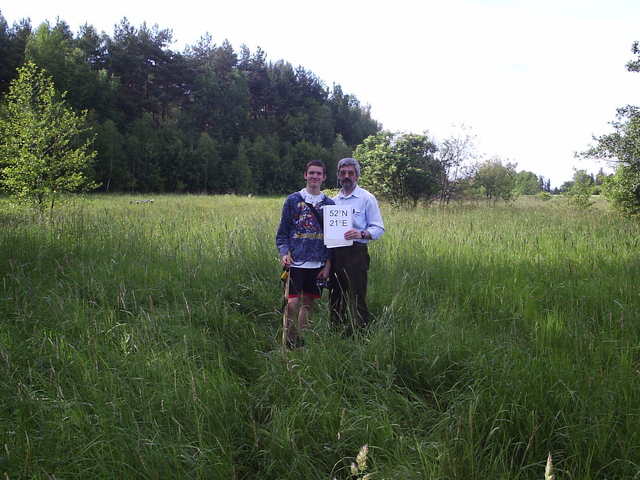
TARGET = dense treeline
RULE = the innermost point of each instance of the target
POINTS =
(208, 119)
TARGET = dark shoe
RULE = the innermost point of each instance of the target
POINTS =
(296, 342)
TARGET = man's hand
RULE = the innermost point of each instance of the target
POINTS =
(286, 260)
(353, 234)
(324, 271)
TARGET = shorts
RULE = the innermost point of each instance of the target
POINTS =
(302, 281)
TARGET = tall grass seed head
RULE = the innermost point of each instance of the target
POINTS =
(548, 470)
(361, 459)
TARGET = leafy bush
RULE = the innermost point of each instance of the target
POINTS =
(399, 168)
(579, 195)
(544, 196)
(623, 189)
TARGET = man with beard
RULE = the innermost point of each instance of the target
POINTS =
(350, 264)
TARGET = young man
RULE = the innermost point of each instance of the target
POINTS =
(351, 264)
(300, 243)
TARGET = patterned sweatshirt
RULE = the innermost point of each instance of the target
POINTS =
(300, 232)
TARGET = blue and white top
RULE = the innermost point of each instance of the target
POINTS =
(300, 232)
(366, 212)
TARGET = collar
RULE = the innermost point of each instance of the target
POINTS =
(354, 193)
(304, 192)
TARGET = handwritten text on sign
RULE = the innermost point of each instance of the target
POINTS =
(337, 220)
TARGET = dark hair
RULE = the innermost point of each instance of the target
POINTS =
(316, 163)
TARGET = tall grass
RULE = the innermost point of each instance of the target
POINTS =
(141, 341)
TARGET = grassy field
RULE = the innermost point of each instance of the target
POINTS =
(140, 340)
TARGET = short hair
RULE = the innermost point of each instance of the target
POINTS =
(349, 162)
(316, 163)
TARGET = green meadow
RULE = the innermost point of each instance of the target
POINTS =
(141, 340)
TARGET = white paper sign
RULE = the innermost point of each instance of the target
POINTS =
(337, 220)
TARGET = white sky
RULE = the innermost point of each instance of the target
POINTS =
(533, 79)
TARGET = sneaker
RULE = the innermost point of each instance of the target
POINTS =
(295, 342)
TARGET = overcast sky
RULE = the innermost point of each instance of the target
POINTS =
(533, 79)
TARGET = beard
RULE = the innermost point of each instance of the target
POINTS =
(346, 183)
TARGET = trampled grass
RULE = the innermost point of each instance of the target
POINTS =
(140, 340)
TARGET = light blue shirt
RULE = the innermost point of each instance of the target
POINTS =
(366, 213)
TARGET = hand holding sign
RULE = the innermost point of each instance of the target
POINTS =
(337, 221)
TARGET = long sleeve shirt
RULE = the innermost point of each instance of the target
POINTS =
(300, 232)
(366, 212)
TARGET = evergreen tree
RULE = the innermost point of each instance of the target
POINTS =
(241, 174)
(150, 106)
(111, 161)
(12, 45)
(271, 166)
(207, 157)
(339, 150)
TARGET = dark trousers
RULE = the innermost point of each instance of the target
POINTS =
(348, 299)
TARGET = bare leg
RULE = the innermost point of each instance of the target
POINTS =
(305, 310)
(293, 313)
(298, 310)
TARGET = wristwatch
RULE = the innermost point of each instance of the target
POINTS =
(364, 234)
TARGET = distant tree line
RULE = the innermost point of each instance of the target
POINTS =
(207, 119)
(406, 168)
(214, 120)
